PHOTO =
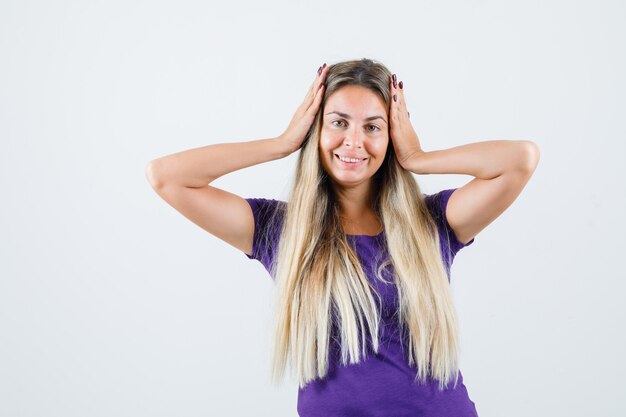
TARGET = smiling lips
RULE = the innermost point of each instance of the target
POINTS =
(347, 161)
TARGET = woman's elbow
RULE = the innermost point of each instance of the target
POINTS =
(530, 155)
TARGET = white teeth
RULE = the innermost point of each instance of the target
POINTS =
(349, 159)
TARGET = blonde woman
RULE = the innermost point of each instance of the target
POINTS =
(360, 258)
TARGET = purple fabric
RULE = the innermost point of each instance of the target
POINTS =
(382, 384)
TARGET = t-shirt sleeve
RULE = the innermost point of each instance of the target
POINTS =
(268, 214)
(437, 204)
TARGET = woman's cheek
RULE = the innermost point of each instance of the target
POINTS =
(328, 142)
(379, 146)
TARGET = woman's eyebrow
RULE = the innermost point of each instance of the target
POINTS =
(347, 116)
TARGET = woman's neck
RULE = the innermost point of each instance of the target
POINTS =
(356, 212)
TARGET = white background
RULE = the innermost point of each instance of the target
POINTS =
(114, 304)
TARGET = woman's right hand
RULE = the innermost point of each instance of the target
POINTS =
(305, 114)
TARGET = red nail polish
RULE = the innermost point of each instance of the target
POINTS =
(400, 85)
(395, 98)
(319, 70)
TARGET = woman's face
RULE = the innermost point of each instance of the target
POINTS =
(354, 126)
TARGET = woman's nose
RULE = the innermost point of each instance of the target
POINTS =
(354, 139)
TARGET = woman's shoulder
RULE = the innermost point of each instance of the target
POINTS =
(268, 216)
(437, 202)
(265, 206)
(268, 212)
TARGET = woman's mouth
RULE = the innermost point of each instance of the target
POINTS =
(350, 162)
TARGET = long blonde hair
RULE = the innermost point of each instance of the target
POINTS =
(318, 275)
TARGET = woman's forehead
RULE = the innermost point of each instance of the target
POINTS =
(355, 102)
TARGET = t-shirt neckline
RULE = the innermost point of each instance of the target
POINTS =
(367, 236)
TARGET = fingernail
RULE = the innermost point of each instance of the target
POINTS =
(395, 84)
(395, 98)
(319, 70)
(400, 85)
(324, 66)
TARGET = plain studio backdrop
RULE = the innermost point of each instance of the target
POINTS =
(114, 304)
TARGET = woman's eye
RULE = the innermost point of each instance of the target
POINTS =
(375, 128)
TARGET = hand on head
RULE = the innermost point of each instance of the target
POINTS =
(305, 114)
(402, 134)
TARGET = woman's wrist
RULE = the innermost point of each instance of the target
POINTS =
(283, 147)
(408, 161)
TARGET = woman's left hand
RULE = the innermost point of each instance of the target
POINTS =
(403, 136)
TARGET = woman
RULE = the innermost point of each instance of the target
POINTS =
(360, 257)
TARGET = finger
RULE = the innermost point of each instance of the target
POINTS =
(393, 102)
(315, 81)
(401, 101)
(320, 77)
(398, 104)
(318, 98)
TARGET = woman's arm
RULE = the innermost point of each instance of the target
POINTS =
(501, 169)
(200, 166)
(485, 160)
(182, 179)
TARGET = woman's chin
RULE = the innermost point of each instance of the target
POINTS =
(349, 179)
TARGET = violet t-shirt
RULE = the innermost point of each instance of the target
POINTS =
(383, 384)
